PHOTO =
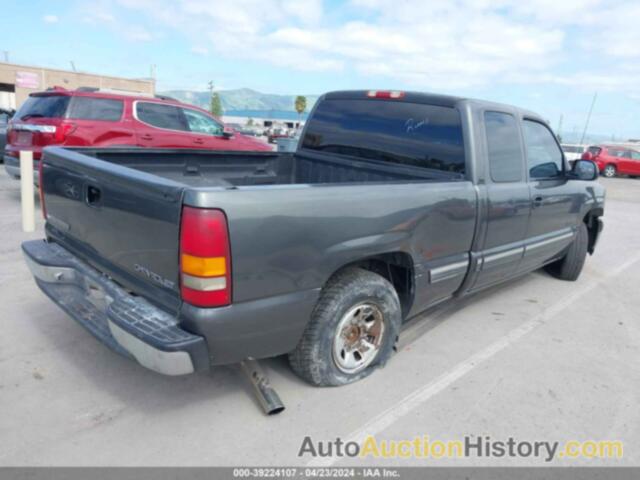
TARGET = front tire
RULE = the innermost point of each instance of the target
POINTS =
(352, 329)
(570, 266)
(609, 171)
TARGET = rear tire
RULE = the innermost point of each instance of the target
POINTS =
(610, 171)
(569, 267)
(352, 329)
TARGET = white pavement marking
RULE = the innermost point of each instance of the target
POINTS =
(409, 403)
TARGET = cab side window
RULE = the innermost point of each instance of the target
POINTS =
(544, 157)
(503, 147)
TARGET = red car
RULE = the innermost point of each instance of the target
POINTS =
(90, 117)
(614, 160)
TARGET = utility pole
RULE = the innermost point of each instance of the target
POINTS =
(560, 125)
(559, 130)
(586, 124)
(73, 65)
(210, 85)
(6, 55)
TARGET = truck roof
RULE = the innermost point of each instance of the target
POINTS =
(432, 99)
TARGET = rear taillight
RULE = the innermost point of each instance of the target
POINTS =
(41, 188)
(63, 131)
(40, 135)
(11, 135)
(205, 258)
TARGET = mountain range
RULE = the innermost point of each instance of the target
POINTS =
(241, 99)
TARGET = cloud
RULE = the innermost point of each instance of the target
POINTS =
(102, 15)
(616, 33)
(431, 45)
(50, 19)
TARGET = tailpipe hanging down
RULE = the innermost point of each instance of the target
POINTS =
(267, 396)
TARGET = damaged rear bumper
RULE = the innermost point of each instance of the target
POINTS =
(128, 324)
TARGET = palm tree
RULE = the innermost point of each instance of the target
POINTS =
(301, 105)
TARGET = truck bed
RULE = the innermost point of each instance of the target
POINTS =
(122, 213)
(198, 168)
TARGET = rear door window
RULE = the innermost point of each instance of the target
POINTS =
(103, 109)
(161, 116)
(43, 106)
(503, 147)
(419, 135)
(544, 157)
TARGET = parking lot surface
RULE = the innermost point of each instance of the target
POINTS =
(537, 359)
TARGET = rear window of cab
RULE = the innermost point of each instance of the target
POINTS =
(419, 135)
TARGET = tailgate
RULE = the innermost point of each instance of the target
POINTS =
(123, 222)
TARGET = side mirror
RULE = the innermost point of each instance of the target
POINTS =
(227, 132)
(584, 170)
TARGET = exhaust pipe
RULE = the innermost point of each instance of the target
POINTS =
(267, 396)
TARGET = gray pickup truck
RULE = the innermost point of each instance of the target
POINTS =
(392, 203)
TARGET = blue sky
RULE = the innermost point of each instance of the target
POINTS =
(546, 55)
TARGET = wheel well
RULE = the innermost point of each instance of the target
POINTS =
(397, 267)
(591, 221)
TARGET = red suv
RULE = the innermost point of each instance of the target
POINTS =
(614, 160)
(90, 117)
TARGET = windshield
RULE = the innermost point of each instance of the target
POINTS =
(48, 106)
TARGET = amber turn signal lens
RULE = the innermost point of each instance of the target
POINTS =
(204, 266)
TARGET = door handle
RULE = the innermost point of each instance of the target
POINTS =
(537, 202)
(199, 141)
(94, 196)
(146, 136)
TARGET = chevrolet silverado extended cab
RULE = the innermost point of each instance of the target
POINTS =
(392, 203)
